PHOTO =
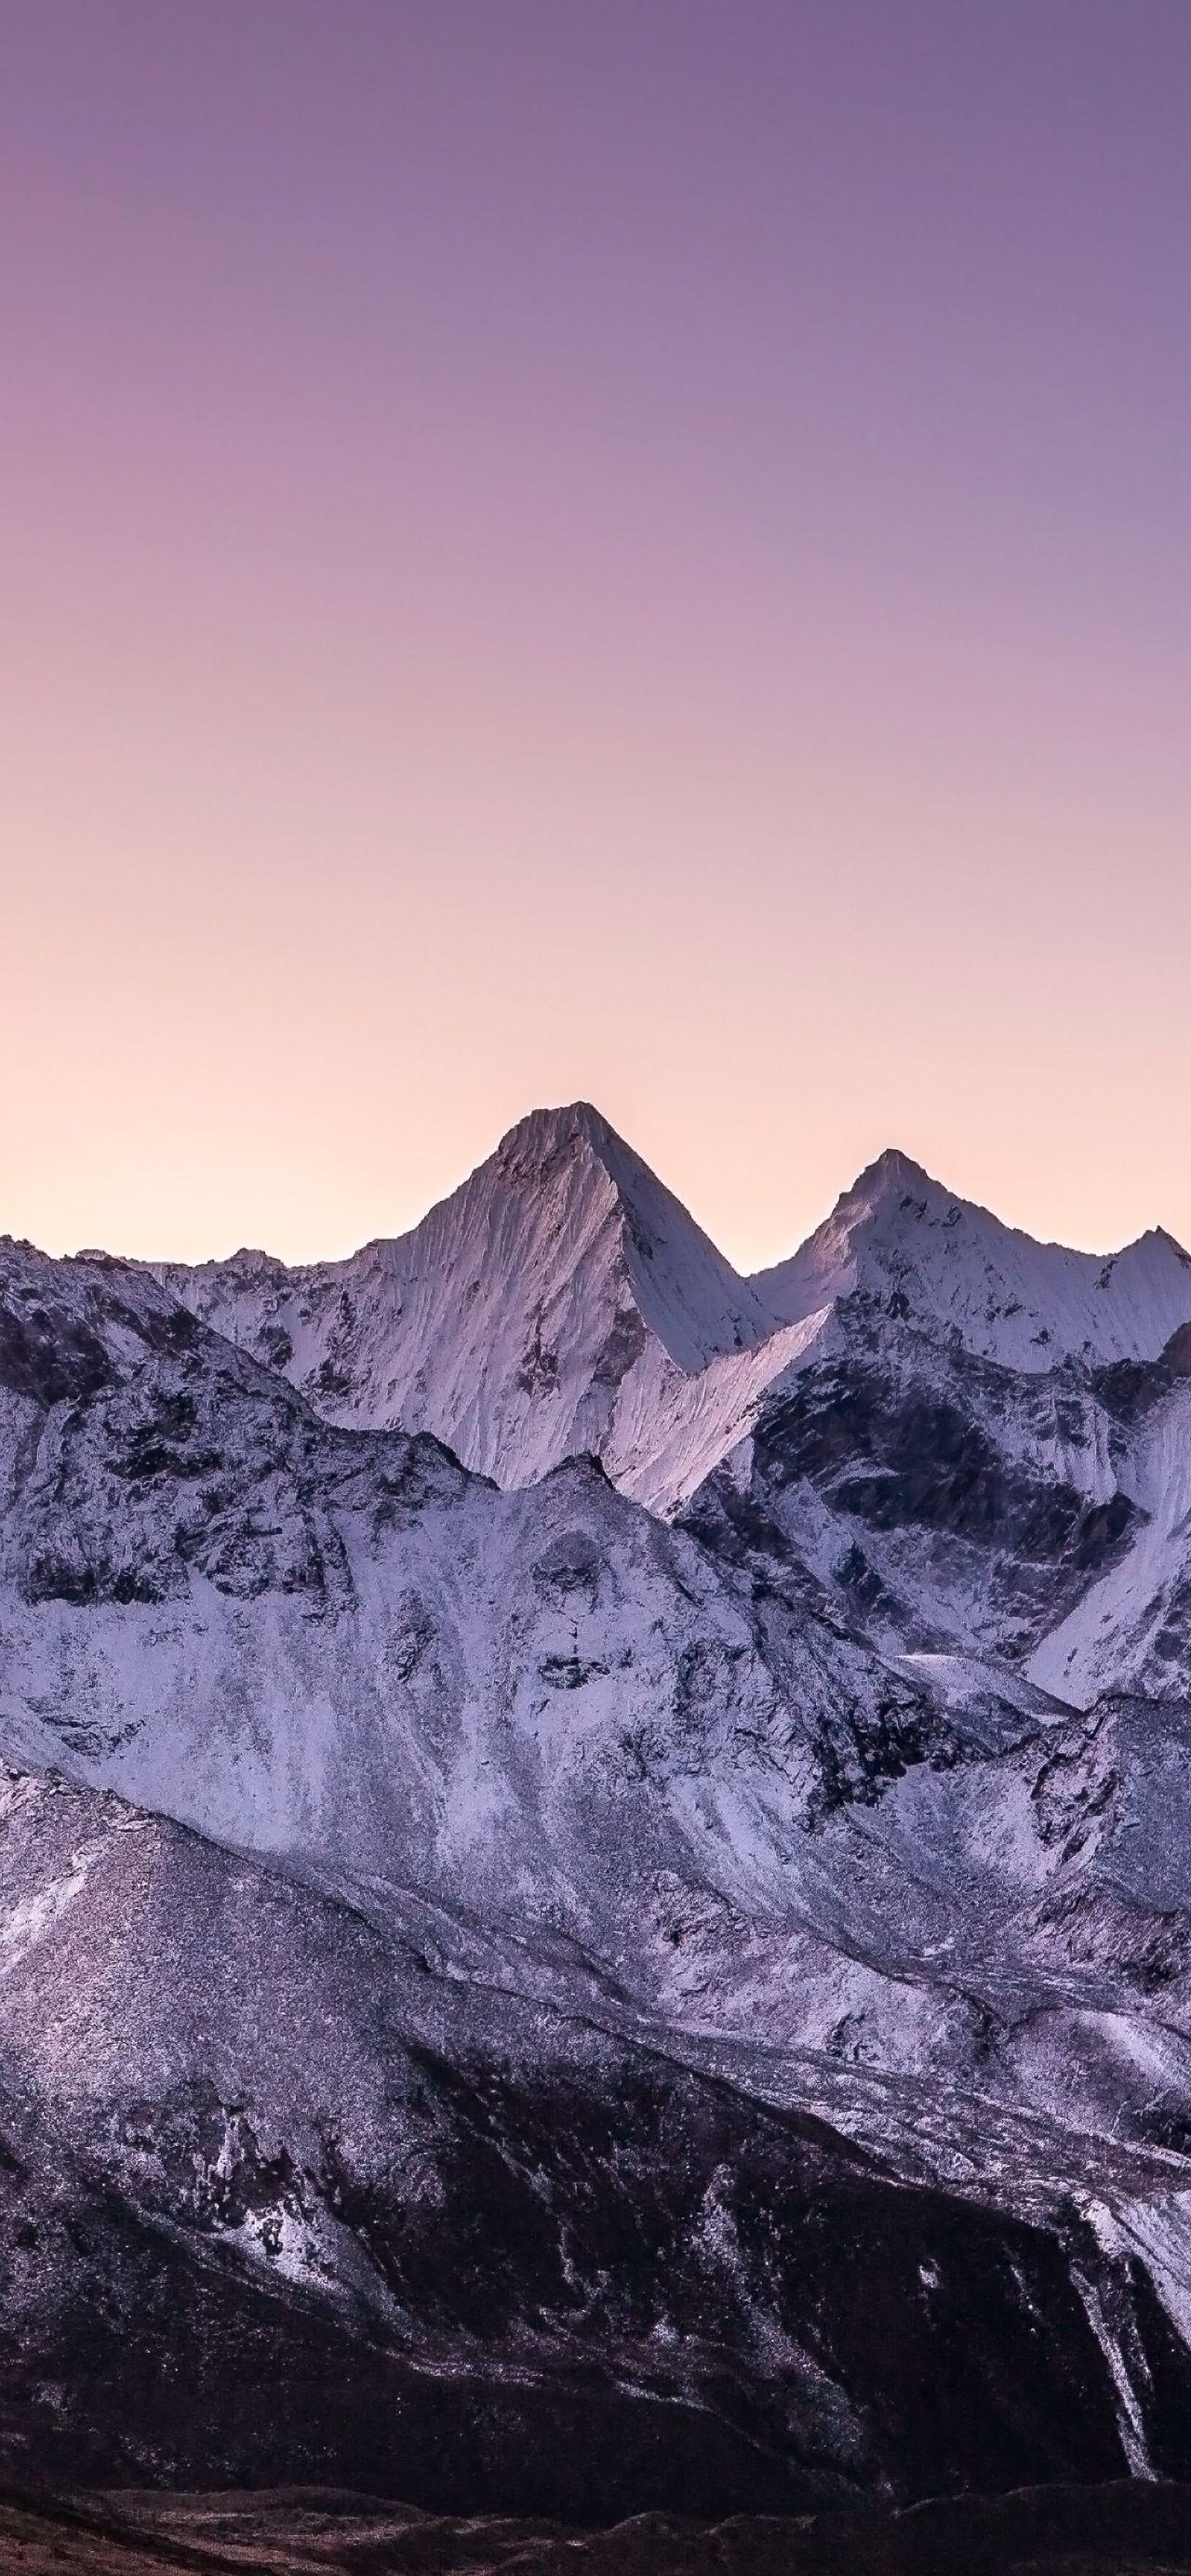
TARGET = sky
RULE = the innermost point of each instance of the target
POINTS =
(624, 549)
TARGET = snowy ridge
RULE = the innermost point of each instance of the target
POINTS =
(899, 1237)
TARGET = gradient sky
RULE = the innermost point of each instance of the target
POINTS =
(636, 549)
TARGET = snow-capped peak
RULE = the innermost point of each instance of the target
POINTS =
(540, 1310)
(563, 1300)
(891, 1170)
(688, 1295)
(930, 1257)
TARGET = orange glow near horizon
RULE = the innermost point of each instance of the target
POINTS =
(671, 593)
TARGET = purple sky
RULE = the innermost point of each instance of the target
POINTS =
(556, 547)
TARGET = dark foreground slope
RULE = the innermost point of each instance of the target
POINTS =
(1071, 2531)
(276, 2201)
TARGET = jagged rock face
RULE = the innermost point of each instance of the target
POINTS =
(1132, 1630)
(68, 1328)
(947, 1503)
(945, 1500)
(703, 1991)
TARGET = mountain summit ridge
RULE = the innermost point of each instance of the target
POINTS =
(924, 1251)
(563, 1300)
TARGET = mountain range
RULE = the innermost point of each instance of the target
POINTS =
(595, 1856)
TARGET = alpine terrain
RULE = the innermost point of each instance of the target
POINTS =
(595, 1861)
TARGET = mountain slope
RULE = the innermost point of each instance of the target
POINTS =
(902, 1240)
(339, 1646)
(605, 1759)
(387, 2228)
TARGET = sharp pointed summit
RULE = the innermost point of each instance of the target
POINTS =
(542, 1310)
(891, 1170)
